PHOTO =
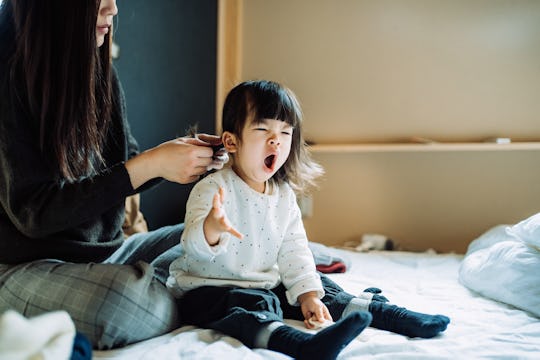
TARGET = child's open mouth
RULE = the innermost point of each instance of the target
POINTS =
(269, 161)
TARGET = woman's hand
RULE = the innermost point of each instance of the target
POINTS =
(182, 160)
(313, 308)
(217, 222)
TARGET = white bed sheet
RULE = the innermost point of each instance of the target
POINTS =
(425, 282)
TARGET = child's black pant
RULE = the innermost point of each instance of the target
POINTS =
(242, 312)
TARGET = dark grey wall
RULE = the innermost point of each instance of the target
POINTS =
(167, 67)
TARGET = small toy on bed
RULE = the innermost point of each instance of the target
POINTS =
(370, 242)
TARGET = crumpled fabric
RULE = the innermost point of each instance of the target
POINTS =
(45, 337)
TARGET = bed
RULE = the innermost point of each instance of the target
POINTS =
(428, 282)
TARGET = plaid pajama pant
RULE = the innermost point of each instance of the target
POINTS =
(114, 303)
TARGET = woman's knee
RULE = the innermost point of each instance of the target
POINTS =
(135, 307)
(112, 305)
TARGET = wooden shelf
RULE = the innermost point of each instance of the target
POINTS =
(429, 147)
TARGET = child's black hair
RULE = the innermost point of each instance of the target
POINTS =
(257, 100)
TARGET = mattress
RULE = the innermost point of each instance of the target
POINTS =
(424, 282)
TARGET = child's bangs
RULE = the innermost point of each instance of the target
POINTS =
(275, 103)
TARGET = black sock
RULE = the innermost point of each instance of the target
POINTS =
(325, 344)
(406, 322)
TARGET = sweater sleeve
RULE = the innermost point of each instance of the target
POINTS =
(198, 207)
(39, 205)
(295, 260)
(35, 200)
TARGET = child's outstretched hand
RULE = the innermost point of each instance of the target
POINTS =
(217, 222)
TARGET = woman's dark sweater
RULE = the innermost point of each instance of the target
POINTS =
(42, 217)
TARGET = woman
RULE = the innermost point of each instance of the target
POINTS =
(68, 162)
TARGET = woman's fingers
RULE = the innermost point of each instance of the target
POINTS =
(209, 139)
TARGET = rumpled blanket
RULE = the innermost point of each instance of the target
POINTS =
(327, 260)
(45, 337)
(503, 264)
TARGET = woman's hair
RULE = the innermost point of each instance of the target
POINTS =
(260, 99)
(62, 79)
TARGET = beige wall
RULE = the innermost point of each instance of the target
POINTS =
(439, 200)
(391, 69)
(386, 71)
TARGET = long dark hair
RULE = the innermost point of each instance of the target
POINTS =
(63, 80)
(262, 99)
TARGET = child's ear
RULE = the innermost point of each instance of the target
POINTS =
(229, 141)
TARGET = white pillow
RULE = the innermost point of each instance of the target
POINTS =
(527, 231)
(503, 268)
(492, 236)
